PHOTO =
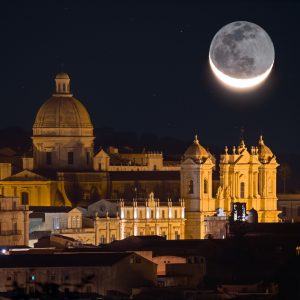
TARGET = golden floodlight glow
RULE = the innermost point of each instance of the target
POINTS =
(237, 82)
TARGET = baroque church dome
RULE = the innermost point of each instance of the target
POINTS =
(264, 152)
(62, 110)
(195, 151)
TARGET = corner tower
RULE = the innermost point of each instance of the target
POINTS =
(196, 188)
(267, 183)
(63, 136)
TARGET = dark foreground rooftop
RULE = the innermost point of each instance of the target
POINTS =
(61, 260)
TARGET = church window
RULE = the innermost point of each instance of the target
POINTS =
(191, 187)
(163, 214)
(70, 158)
(128, 214)
(24, 198)
(141, 214)
(205, 186)
(48, 158)
(175, 214)
(152, 214)
(242, 190)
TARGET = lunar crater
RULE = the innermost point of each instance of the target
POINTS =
(242, 50)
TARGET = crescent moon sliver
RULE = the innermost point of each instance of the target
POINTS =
(238, 82)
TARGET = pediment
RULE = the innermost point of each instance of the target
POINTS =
(244, 157)
(102, 207)
(101, 153)
(26, 175)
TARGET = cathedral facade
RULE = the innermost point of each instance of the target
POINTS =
(63, 170)
(246, 177)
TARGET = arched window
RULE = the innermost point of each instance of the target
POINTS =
(205, 187)
(24, 198)
(175, 214)
(191, 187)
(242, 190)
(163, 214)
(152, 214)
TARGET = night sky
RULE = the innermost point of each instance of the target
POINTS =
(144, 68)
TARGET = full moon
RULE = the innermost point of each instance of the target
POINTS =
(241, 55)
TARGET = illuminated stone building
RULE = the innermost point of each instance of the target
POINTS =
(196, 188)
(106, 220)
(64, 171)
(14, 222)
(245, 177)
(249, 177)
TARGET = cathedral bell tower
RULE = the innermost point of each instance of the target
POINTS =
(196, 188)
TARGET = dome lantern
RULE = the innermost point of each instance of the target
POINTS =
(62, 83)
